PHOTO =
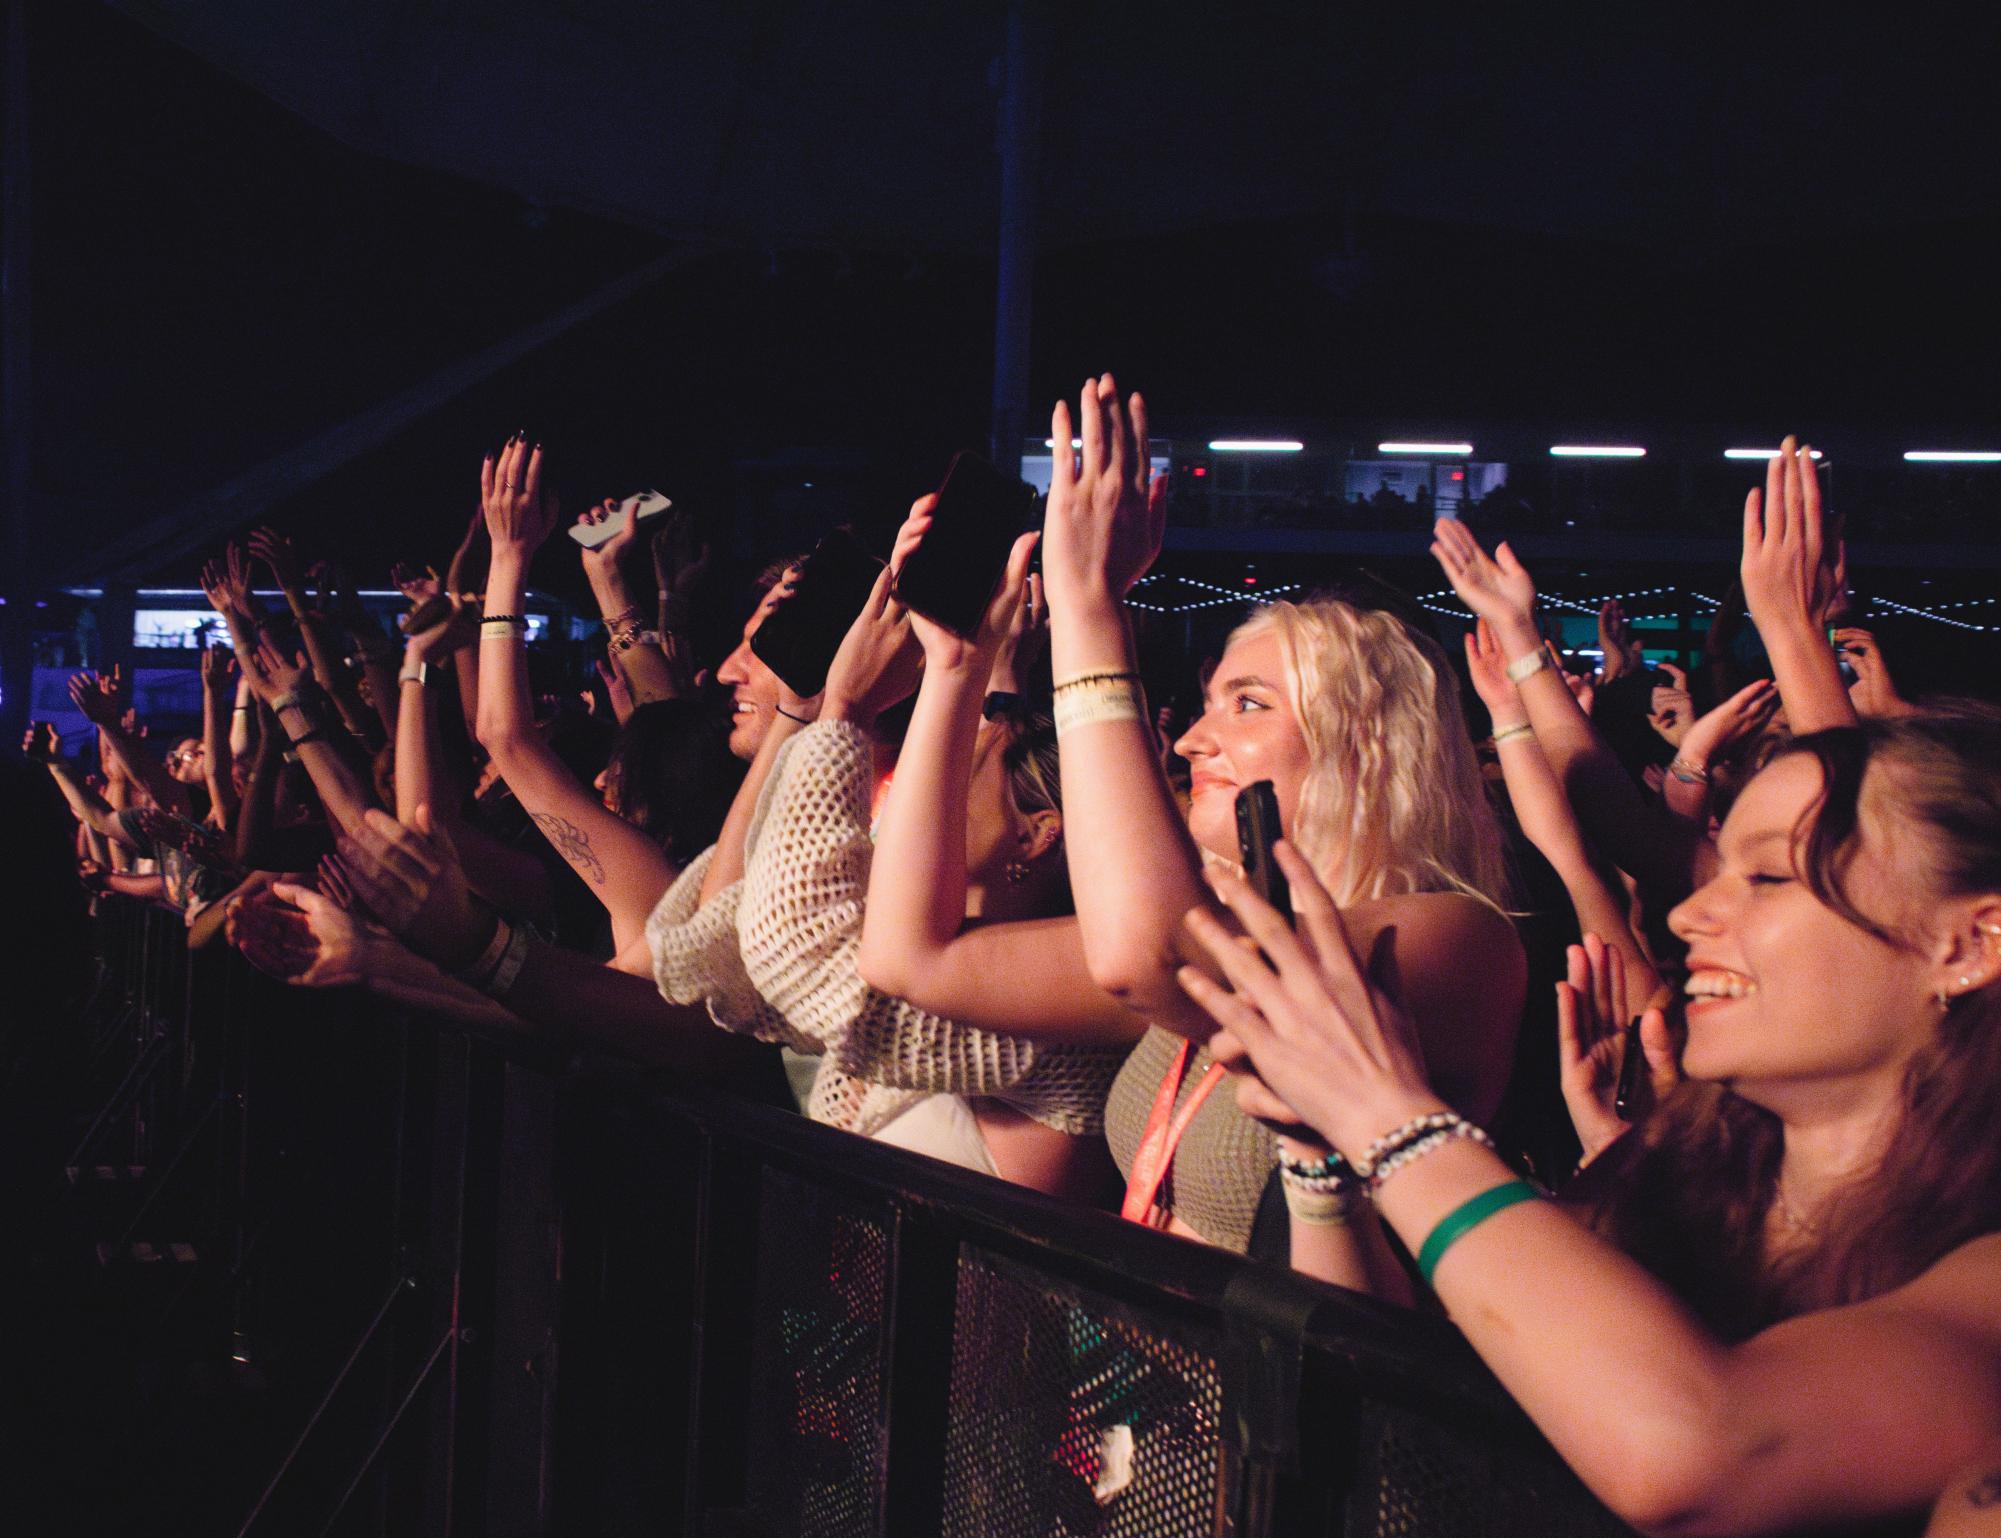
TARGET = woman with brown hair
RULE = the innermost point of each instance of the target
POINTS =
(1782, 1304)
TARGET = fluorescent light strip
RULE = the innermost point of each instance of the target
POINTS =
(1767, 453)
(1050, 443)
(1255, 446)
(1424, 448)
(1596, 451)
(1953, 456)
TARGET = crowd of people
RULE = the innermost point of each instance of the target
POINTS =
(976, 902)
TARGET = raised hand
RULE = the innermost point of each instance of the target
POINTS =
(1331, 1044)
(878, 662)
(617, 691)
(236, 577)
(98, 698)
(607, 558)
(1874, 691)
(1671, 706)
(680, 567)
(1006, 611)
(278, 552)
(1791, 571)
(1105, 518)
(410, 878)
(1620, 651)
(1497, 588)
(1593, 1033)
(415, 585)
(271, 675)
(441, 625)
(218, 663)
(520, 517)
(1489, 672)
(1744, 714)
(42, 744)
(458, 574)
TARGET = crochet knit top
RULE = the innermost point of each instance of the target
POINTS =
(774, 956)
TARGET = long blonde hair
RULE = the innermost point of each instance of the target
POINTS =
(1393, 802)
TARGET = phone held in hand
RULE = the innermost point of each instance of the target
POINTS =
(1257, 830)
(644, 506)
(798, 639)
(952, 575)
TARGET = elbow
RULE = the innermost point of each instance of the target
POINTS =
(1138, 975)
(883, 970)
(502, 740)
(1673, 1483)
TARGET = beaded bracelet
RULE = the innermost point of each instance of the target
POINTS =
(1400, 1137)
(1431, 1142)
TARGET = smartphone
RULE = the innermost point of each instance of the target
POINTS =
(1626, 1095)
(798, 639)
(642, 505)
(1841, 663)
(952, 576)
(1257, 830)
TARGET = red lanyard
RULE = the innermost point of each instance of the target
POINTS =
(1164, 1126)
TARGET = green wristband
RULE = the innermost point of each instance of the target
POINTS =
(1466, 1217)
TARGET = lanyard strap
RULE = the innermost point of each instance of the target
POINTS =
(1164, 1126)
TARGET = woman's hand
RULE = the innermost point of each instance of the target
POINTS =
(942, 648)
(299, 936)
(1489, 672)
(410, 878)
(519, 516)
(1744, 714)
(1791, 573)
(1497, 588)
(1104, 522)
(97, 697)
(1873, 691)
(417, 586)
(1671, 707)
(217, 664)
(278, 552)
(271, 675)
(1621, 653)
(42, 745)
(453, 622)
(878, 663)
(1328, 1041)
(606, 560)
(1592, 1033)
(616, 690)
(458, 573)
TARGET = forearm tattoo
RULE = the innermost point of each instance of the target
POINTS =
(572, 844)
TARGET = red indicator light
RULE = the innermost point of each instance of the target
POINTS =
(1199, 471)
(1459, 475)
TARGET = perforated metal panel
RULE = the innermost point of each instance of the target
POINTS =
(1066, 1419)
(1421, 1478)
(817, 1361)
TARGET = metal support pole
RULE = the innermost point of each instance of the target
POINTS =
(1017, 138)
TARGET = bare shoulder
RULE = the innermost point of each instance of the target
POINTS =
(1429, 924)
(1963, 1288)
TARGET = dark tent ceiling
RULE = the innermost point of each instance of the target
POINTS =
(304, 261)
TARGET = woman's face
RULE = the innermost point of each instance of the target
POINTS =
(1247, 732)
(1782, 990)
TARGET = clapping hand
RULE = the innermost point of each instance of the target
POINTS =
(417, 586)
(1671, 706)
(1497, 588)
(1593, 1036)
(410, 878)
(1792, 572)
(878, 663)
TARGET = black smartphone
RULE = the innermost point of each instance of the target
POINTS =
(1257, 830)
(952, 575)
(798, 639)
(1626, 1094)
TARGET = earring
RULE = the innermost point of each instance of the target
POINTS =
(1942, 998)
(1017, 871)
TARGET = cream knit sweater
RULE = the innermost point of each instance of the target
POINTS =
(774, 956)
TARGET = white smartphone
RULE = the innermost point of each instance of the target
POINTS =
(641, 505)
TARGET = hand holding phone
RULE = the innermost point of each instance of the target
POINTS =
(951, 577)
(1257, 830)
(799, 638)
(644, 505)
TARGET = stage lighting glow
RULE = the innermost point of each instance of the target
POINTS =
(1763, 453)
(1255, 446)
(1953, 456)
(1424, 448)
(1597, 451)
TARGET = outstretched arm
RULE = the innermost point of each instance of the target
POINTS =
(217, 758)
(101, 699)
(648, 672)
(916, 942)
(624, 869)
(1792, 576)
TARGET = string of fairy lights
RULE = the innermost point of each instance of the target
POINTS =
(1671, 602)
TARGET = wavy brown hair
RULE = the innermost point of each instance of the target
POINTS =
(1687, 1192)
